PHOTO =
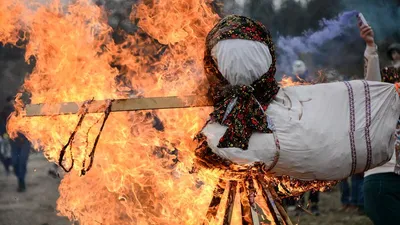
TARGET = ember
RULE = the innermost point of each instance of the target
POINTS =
(129, 183)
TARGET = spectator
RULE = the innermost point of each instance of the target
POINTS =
(5, 113)
(5, 152)
(352, 197)
(381, 192)
(20, 154)
(300, 72)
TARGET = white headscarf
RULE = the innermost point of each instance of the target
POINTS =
(240, 61)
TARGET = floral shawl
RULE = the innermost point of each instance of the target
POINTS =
(248, 114)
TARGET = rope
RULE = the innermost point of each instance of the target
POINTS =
(72, 137)
(84, 111)
(91, 155)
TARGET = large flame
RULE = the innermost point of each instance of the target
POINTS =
(130, 183)
(137, 177)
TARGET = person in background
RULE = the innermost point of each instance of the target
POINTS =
(300, 72)
(352, 197)
(5, 113)
(5, 152)
(21, 148)
(381, 184)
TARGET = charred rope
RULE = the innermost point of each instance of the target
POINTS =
(83, 112)
(91, 155)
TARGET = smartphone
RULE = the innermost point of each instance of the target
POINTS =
(361, 18)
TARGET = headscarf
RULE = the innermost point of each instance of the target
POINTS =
(393, 47)
(247, 115)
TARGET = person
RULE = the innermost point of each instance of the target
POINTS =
(352, 196)
(20, 153)
(381, 192)
(300, 72)
(20, 149)
(5, 113)
(5, 152)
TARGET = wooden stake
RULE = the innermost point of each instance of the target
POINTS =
(247, 218)
(216, 200)
(282, 211)
(230, 203)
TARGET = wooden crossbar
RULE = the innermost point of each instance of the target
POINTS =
(132, 104)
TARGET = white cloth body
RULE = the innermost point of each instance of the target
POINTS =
(313, 128)
(312, 125)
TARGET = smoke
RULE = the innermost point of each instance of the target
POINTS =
(119, 12)
(290, 48)
(12, 73)
(332, 43)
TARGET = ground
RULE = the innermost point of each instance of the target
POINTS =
(37, 206)
(330, 213)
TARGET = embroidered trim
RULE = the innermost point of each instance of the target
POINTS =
(368, 120)
(397, 149)
(352, 128)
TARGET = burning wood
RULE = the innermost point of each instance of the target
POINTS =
(248, 216)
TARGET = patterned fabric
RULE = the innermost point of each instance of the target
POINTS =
(397, 149)
(248, 114)
(352, 128)
(368, 121)
(390, 75)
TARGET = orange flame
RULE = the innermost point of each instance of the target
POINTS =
(129, 183)
(133, 181)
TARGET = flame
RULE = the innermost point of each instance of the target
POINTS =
(135, 178)
(9, 22)
(129, 183)
(288, 81)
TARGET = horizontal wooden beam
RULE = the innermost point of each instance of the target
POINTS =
(132, 104)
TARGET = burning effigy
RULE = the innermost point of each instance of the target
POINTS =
(290, 129)
(123, 170)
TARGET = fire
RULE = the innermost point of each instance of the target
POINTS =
(288, 81)
(141, 175)
(9, 22)
(129, 183)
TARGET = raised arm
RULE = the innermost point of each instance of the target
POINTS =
(371, 58)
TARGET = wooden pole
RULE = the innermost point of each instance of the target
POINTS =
(247, 217)
(216, 200)
(230, 203)
(132, 104)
